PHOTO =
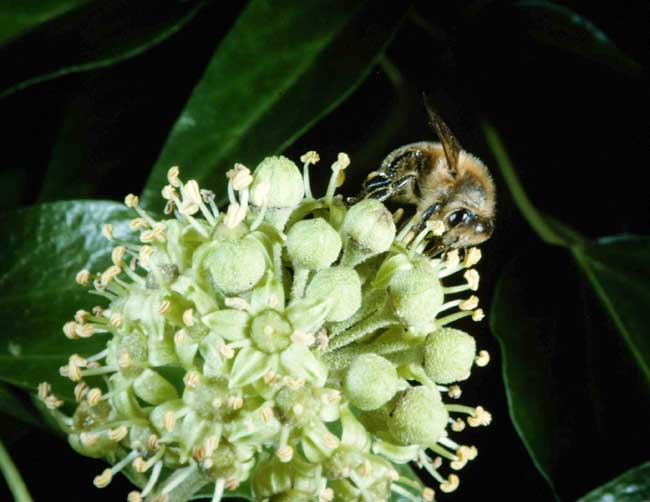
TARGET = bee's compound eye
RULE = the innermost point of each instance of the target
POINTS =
(460, 216)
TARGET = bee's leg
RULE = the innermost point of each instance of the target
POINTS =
(426, 215)
(384, 189)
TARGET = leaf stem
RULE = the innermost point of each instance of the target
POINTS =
(13, 478)
(530, 212)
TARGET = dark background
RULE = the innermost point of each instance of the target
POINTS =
(575, 129)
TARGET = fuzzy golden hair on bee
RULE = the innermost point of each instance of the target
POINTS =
(444, 182)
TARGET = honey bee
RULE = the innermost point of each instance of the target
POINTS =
(444, 182)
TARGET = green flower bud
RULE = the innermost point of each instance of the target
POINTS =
(416, 295)
(270, 331)
(313, 244)
(370, 225)
(236, 266)
(418, 416)
(286, 186)
(340, 284)
(153, 388)
(370, 381)
(448, 355)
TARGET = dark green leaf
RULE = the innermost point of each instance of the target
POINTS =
(111, 41)
(43, 247)
(565, 369)
(558, 26)
(282, 67)
(618, 270)
(631, 486)
(17, 18)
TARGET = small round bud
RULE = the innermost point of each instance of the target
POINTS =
(370, 382)
(341, 285)
(418, 416)
(271, 332)
(236, 266)
(416, 294)
(313, 244)
(448, 355)
(370, 225)
(286, 185)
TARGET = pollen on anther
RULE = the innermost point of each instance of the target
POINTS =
(89, 439)
(227, 351)
(470, 304)
(116, 319)
(451, 484)
(83, 277)
(137, 223)
(266, 414)
(104, 479)
(164, 307)
(44, 388)
(140, 465)
(118, 254)
(70, 330)
(188, 317)
(235, 402)
(478, 315)
(169, 421)
(152, 442)
(285, 454)
(134, 496)
(232, 483)
(311, 157)
(472, 257)
(428, 494)
(107, 231)
(172, 176)
(131, 200)
(454, 391)
(118, 434)
(472, 277)
(84, 330)
(331, 441)
(483, 358)
(191, 379)
(452, 258)
(94, 396)
(458, 425)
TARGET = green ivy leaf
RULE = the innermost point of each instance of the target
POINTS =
(44, 246)
(617, 268)
(283, 66)
(110, 37)
(17, 18)
(631, 486)
(560, 27)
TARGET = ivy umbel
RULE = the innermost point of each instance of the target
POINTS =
(293, 341)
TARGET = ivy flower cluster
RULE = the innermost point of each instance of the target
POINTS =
(293, 342)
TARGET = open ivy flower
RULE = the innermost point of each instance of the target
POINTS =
(291, 341)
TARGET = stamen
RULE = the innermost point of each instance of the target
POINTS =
(83, 277)
(131, 201)
(94, 396)
(218, 490)
(107, 231)
(191, 379)
(451, 484)
(472, 278)
(428, 494)
(177, 478)
(155, 474)
(70, 330)
(118, 434)
(483, 358)
(470, 304)
(472, 257)
(169, 421)
(454, 391)
(310, 157)
(172, 176)
(188, 317)
(284, 454)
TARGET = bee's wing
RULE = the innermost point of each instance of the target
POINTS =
(450, 144)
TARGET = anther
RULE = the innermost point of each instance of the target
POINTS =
(107, 231)
(104, 479)
(472, 257)
(472, 278)
(169, 421)
(284, 454)
(470, 304)
(483, 358)
(131, 200)
(83, 277)
(451, 484)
